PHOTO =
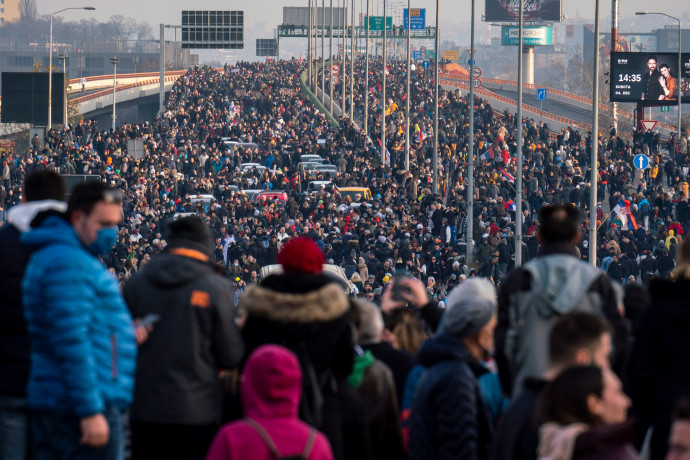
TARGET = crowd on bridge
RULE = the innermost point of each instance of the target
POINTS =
(187, 192)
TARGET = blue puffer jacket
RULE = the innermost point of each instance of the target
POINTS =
(83, 350)
(449, 419)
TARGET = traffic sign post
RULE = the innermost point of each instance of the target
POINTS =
(665, 108)
(469, 62)
(477, 82)
(641, 161)
(334, 80)
(335, 70)
(648, 124)
(417, 55)
(477, 72)
(425, 65)
(541, 97)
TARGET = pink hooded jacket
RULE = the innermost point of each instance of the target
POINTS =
(271, 390)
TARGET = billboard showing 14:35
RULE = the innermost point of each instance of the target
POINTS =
(649, 77)
(532, 10)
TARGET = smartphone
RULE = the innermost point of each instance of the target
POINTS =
(398, 288)
(148, 320)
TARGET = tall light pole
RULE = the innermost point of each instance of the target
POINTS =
(680, 68)
(114, 60)
(595, 144)
(366, 74)
(383, 95)
(343, 74)
(518, 185)
(352, 62)
(330, 62)
(407, 92)
(309, 20)
(50, 61)
(63, 57)
(469, 248)
(435, 170)
(323, 57)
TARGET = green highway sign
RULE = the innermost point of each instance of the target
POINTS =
(430, 54)
(376, 22)
(664, 108)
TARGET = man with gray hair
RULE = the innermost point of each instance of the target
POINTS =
(449, 418)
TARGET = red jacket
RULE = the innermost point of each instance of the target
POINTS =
(271, 386)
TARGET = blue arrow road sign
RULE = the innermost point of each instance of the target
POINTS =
(417, 55)
(425, 64)
(641, 161)
(541, 94)
(469, 62)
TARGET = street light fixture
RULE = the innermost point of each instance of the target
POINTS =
(680, 63)
(50, 60)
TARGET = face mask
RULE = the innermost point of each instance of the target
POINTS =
(105, 240)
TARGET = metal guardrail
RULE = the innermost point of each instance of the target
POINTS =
(557, 92)
(505, 100)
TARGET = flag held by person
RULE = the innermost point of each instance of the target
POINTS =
(506, 175)
(622, 210)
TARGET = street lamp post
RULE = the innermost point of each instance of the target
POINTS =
(114, 61)
(50, 61)
(680, 68)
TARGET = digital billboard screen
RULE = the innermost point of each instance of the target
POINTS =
(25, 98)
(533, 10)
(649, 77)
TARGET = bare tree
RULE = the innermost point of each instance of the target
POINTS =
(28, 11)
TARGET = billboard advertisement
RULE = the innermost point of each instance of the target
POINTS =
(418, 21)
(649, 77)
(531, 35)
(533, 10)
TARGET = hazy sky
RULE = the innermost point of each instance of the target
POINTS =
(456, 11)
(262, 16)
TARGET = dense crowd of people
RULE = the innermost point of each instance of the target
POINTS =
(405, 365)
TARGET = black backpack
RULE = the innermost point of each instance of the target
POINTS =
(272, 446)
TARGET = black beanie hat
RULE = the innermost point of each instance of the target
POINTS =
(192, 233)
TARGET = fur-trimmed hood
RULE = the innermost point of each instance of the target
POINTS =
(326, 303)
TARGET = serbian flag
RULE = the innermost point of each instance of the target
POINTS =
(422, 135)
(488, 155)
(300, 57)
(378, 85)
(506, 175)
(622, 210)
(510, 206)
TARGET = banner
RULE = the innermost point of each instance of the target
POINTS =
(531, 35)
(649, 77)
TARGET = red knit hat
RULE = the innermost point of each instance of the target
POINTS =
(301, 256)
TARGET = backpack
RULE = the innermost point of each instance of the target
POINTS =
(315, 389)
(272, 446)
(560, 284)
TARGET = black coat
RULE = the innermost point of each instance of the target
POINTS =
(177, 368)
(14, 339)
(517, 436)
(448, 418)
(659, 369)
